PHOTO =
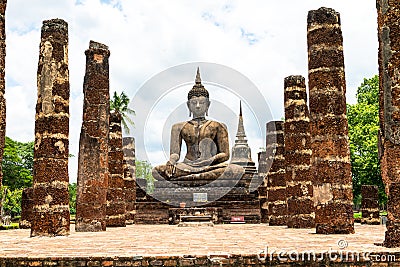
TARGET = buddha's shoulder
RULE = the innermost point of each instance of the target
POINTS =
(211, 123)
(179, 125)
(216, 123)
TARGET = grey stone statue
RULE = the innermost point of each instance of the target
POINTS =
(206, 141)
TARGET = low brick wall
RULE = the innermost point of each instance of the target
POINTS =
(327, 259)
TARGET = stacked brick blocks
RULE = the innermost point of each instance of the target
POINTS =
(298, 155)
(262, 189)
(93, 143)
(50, 166)
(26, 208)
(389, 112)
(276, 183)
(3, 5)
(128, 147)
(116, 206)
(369, 204)
(331, 169)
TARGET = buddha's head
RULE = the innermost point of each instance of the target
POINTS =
(198, 99)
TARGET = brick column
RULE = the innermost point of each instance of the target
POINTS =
(50, 165)
(26, 208)
(262, 189)
(370, 204)
(128, 147)
(3, 5)
(389, 111)
(276, 185)
(116, 206)
(141, 188)
(298, 155)
(93, 143)
(330, 159)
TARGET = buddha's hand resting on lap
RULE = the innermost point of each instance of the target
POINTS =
(171, 164)
(202, 162)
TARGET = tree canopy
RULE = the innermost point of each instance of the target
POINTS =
(72, 198)
(17, 173)
(363, 118)
(143, 170)
(120, 104)
(17, 164)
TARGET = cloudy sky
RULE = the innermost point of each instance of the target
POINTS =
(264, 41)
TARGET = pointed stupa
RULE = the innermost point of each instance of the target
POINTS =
(241, 152)
(240, 135)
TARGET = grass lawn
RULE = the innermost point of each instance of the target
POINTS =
(358, 215)
(13, 225)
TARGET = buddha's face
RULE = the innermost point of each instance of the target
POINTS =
(198, 105)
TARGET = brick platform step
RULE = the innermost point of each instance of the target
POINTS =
(200, 261)
(169, 245)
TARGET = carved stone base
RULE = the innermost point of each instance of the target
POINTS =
(232, 197)
(178, 215)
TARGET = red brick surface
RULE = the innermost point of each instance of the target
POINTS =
(135, 242)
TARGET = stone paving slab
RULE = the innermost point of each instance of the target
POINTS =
(170, 240)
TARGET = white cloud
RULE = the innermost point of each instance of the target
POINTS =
(264, 40)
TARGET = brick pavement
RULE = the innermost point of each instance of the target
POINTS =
(159, 240)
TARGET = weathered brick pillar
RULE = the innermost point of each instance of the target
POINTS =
(276, 185)
(3, 5)
(370, 204)
(262, 189)
(141, 188)
(116, 206)
(299, 187)
(50, 165)
(128, 147)
(330, 159)
(93, 143)
(26, 208)
(389, 111)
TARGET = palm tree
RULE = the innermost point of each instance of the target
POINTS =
(119, 104)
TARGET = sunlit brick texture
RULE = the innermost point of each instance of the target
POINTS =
(330, 161)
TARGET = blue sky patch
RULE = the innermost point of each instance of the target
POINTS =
(227, 8)
(10, 82)
(211, 18)
(22, 30)
(114, 4)
(250, 37)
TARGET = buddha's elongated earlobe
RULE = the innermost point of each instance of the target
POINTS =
(188, 105)
(207, 112)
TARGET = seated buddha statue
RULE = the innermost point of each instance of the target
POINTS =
(207, 144)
